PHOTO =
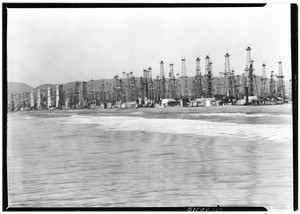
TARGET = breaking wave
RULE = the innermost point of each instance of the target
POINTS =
(273, 132)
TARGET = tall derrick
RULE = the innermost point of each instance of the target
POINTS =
(162, 80)
(264, 90)
(61, 96)
(251, 76)
(31, 99)
(116, 89)
(227, 75)
(48, 98)
(272, 84)
(198, 81)
(39, 99)
(249, 91)
(184, 85)
(208, 71)
(281, 85)
(172, 82)
(57, 97)
(145, 83)
(234, 84)
(150, 85)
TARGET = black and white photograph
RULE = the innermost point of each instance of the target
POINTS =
(149, 106)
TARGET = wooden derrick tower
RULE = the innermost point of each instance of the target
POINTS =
(183, 78)
(172, 83)
(281, 85)
(198, 80)
(208, 71)
(162, 80)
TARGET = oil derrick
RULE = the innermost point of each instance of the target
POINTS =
(162, 80)
(12, 103)
(57, 97)
(226, 75)
(116, 89)
(248, 75)
(141, 88)
(208, 71)
(251, 76)
(110, 93)
(184, 85)
(172, 82)
(76, 93)
(131, 87)
(49, 98)
(126, 88)
(234, 84)
(84, 91)
(264, 81)
(229, 77)
(156, 87)
(239, 84)
(272, 84)
(61, 96)
(39, 99)
(92, 97)
(122, 85)
(102, 93)
(150, 85)
(107, 94)
(145, 83)
(198, 81)
(44, 98)
(281, 85)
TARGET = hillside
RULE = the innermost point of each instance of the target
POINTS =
(15, 87)
(18, 87)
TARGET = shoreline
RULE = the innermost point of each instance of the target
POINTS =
(168, 111)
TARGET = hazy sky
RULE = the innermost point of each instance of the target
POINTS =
(63, 45)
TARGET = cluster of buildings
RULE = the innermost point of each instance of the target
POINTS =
(164, 90)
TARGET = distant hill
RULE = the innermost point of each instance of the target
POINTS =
(15, 87)
(18, 87)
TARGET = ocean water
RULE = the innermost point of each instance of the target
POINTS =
(129, 160)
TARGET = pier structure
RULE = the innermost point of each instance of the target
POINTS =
(281, 85)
